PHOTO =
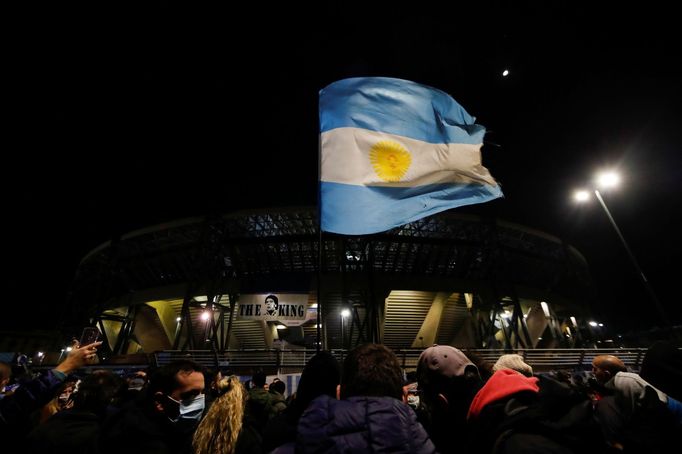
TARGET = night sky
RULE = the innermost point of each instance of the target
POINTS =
(122, 117)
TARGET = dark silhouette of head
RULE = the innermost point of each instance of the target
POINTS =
(371, 370)
(662, 367)
(320, 376)
(258, 378)
(278, 386)
(97, 391)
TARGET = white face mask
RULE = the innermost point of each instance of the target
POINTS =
(189, 408)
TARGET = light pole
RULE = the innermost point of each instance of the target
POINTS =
(607, 180)
(344, 313)
(177, 327)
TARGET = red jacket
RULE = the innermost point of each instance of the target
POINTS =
(503, 383)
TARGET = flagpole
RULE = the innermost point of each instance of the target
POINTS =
(318, 341)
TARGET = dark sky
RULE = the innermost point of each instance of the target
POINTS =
(122, 117)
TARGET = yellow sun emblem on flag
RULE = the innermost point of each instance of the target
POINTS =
(390, 160)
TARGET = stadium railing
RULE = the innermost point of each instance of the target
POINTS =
(291, 361)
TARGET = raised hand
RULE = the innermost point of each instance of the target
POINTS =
(78, 357)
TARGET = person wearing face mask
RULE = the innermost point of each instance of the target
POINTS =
(77, 429)
(16, 409)
(163, 419)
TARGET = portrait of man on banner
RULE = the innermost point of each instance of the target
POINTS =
(271, 305)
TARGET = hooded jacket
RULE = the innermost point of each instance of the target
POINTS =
(502, 384)
(513, 413)
(361, 424)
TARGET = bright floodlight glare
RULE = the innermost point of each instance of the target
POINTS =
(345, 313)
(281, 327)
(545, 308)
(313, 306)
(505, 73)
(608, 179)
(581, 195)
(593, 323)
(40, 354)
(68, 349)
(205, 315)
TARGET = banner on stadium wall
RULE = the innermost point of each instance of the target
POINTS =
(291, 309)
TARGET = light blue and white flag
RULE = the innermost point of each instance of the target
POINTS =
(394, 151)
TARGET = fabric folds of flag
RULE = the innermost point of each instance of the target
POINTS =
(394, 151)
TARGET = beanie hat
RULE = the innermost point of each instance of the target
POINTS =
(513, 362)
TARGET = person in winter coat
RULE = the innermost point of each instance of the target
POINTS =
(276, 390)
(164, 418)
(371, 415)
(320, 376)
(447, 382)
(634, 415)
(513, 414)
(77, 429)
(15, 409)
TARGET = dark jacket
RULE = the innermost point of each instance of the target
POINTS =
(361, 424)
(16, 409)
(647, 427)
(281, 429)
(30, 396)
(259, 407)
(137, 428)
(513, 414)
(279, 402)
(69, 431)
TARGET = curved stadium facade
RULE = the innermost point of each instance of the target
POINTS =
(453, 279)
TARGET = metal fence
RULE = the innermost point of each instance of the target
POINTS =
(292, 361)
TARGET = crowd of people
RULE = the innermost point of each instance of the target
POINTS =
(452, 403)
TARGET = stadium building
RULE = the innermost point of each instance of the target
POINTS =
(256, 280)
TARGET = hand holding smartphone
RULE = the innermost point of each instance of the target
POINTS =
(90, 335)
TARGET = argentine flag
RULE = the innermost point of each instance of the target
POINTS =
(394, 151)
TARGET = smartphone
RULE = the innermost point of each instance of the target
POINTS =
(90, 335)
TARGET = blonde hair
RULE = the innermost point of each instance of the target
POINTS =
(219, 430)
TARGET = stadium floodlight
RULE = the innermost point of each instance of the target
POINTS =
(344, 314)
(607, 180)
